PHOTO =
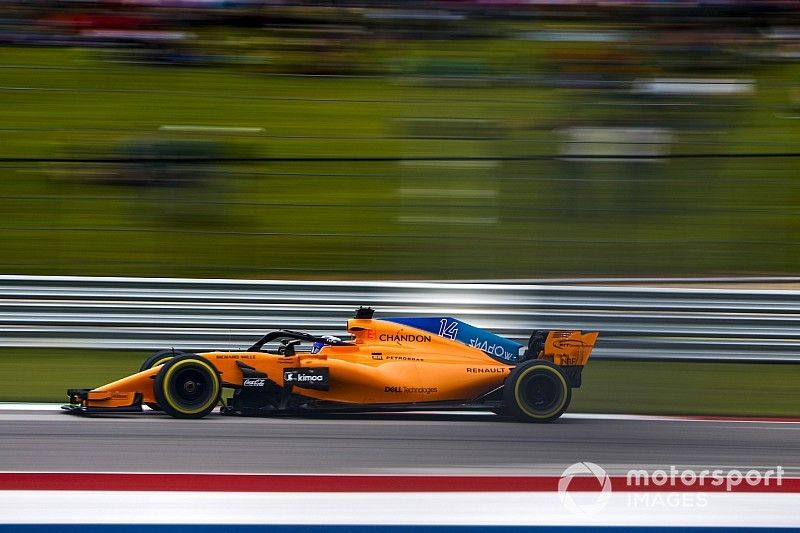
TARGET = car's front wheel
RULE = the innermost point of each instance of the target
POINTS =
(536, 391)
(187, 386)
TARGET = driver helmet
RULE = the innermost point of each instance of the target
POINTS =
(326, 339)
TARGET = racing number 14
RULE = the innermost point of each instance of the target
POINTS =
(448, 330)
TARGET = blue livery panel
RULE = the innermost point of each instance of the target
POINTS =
(451, 328)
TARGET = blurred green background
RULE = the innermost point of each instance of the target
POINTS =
(542, 147)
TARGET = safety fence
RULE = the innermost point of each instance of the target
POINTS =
(636, 323)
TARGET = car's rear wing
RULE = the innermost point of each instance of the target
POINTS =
(564, 348)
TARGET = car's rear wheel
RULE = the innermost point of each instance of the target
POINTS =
(187, 386)
(158, 358)
(537, 391)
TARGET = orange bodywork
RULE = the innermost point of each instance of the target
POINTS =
(408, 366)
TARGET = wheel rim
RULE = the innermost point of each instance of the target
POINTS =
(191, 388)
(540, 392)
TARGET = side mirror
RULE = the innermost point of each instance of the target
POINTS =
(287, 347)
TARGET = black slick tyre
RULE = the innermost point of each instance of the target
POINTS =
(536, 391)
(158, 358)
(187, 386)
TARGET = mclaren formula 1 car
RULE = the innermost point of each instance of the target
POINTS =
(392, 364)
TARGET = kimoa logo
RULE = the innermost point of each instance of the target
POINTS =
(294, 376)
(591, 502)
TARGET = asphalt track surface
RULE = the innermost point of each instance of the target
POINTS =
(48, 440)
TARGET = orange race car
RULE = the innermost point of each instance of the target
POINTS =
(390, 364)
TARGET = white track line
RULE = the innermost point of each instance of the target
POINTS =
(461, 508)
(8, 406)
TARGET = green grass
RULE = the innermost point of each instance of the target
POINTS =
(44, 375)
(37, 375)
(689, 388)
